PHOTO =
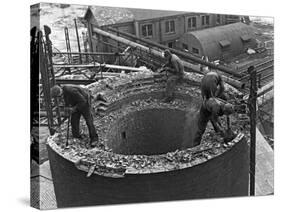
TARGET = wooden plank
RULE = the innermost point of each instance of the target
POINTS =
(125, 68)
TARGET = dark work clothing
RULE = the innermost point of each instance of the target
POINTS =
(175, 64)
(75, 96)
(175, 74)
(212, 86)
(79, 99)
(210, 110)
(171, 84)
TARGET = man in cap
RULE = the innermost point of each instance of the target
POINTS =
(175, 72)
(212, 86)
(78, 102)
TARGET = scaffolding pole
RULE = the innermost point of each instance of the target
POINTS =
(67, 42)
(78, 41)
(253, 110)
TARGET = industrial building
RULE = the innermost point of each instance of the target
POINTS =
(221, 42)
(164, 27)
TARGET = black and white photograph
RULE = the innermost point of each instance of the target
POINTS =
(132, 105)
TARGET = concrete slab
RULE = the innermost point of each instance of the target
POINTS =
(42, 187)
(42, 193)
(264, 166)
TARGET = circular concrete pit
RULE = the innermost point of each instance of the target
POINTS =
(147, 152)
(148, 132)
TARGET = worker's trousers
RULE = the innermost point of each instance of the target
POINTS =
(171, 84)
(85, 111)
(204, 117)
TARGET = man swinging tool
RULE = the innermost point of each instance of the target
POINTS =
(211, 110)
(78, 102)
(213, 106)
(175, 71)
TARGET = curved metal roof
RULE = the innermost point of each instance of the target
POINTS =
(214, 39)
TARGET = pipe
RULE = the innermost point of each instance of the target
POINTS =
(180, 53)
(189, 66)
(91, 53)
(265, 97)
(265, 89)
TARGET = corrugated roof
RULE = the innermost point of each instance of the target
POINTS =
(211, 38)
(112, 15)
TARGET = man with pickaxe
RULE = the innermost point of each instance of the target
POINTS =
(211, 110)
(174, 70)
(213, 106)
(78, 102)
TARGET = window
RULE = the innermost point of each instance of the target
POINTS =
(170, 44)
(224, 43)
(195, 51)
(191, 22)
(170, 26)
(245, 38)
(205, 20)
(218, 21)
(146, 30)
(123, 134)
(185, 46)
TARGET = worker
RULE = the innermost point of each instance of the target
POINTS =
(212, 85)
(78, 102)
(175, 70)
(210, 110)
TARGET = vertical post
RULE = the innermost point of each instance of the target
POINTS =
(85, 42)
(118, 47)
(34, 78)
(68, 44)
(78, 41)
(90, 36)
(259, 81)
(45, 84)
(49, 52)
(252, 107)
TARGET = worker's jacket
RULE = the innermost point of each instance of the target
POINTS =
(216, 107)
(176, 65)
(211, 85)
(75, 96)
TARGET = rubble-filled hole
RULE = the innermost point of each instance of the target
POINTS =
(151, 132)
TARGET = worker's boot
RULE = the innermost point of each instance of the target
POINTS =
(94, 141)
(229, 135)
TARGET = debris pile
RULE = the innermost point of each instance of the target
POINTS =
(133, 93)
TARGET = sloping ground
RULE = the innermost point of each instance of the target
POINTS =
(264, 166)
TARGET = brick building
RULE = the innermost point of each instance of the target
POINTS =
(164, 27)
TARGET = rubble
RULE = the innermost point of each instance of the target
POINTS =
(125, 99)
